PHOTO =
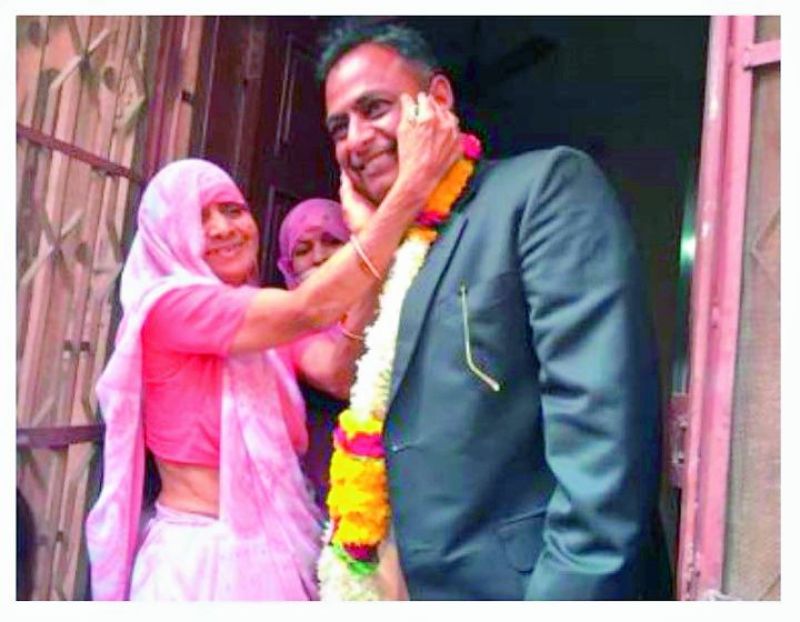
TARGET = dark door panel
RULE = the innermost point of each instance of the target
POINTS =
(264, 118)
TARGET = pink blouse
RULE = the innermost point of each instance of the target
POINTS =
(185, 338)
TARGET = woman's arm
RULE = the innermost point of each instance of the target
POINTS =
(327, 360)
(277, 316)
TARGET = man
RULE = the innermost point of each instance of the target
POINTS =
(523, 437)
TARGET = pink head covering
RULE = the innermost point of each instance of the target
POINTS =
(312, 213)
(170, 239)
(167, 253)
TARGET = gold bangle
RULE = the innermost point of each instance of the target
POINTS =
(349, 334)
(365, 260)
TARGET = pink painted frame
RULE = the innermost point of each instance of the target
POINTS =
(716, 290)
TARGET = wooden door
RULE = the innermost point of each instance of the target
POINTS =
(264, 118)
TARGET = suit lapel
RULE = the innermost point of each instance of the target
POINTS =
(419, 297)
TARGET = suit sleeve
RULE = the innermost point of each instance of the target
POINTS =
(598, 379)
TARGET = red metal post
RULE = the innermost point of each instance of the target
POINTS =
(762, 53)
(73, 151)
(708, 200)
(722, 197)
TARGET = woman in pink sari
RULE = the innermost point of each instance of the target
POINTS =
(196, 378)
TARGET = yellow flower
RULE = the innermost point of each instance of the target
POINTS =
(365, 473)
(352, 424)
(358, 498)
(367, 528)
(422, 233)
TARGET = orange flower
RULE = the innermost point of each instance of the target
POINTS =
(448, 190)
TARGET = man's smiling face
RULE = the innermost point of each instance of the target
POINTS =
(362, 100)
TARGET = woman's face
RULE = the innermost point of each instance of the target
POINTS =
(311, 250)
(231, 238)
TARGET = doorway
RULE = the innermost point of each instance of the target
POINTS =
(627, 90)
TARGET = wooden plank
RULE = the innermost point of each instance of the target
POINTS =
(34, 480)
(66, 558)
(176, 105)
(114, 203)
(53, 180)
(29, 176)
(71, 521)
(60, 200)
(86, 186)
(107, 101)
(31, 33)
(191, 70)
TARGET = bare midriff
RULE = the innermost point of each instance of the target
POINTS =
(189, 487)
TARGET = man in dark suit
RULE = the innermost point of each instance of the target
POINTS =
(523, 430)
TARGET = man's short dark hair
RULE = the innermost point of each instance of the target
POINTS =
(351, 33)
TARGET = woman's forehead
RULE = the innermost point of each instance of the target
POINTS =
(311, 232)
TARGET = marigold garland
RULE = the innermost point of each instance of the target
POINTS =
(358, 501)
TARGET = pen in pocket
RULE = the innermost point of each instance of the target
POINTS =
(491, 382)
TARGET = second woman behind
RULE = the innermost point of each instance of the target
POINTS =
(311, 232)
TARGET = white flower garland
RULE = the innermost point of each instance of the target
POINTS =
(368, 398)
(370, 391)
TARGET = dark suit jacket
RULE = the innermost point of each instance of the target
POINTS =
(545, 489)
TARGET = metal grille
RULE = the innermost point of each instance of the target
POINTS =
(83, 90)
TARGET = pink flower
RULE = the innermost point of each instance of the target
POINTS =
(368, 445)
(472, 146)
(431, 219)
(361, 552)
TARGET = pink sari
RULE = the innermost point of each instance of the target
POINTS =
(265, 542)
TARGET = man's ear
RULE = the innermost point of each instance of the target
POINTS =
(442, 91)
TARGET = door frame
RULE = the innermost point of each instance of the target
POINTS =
(715, 300)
